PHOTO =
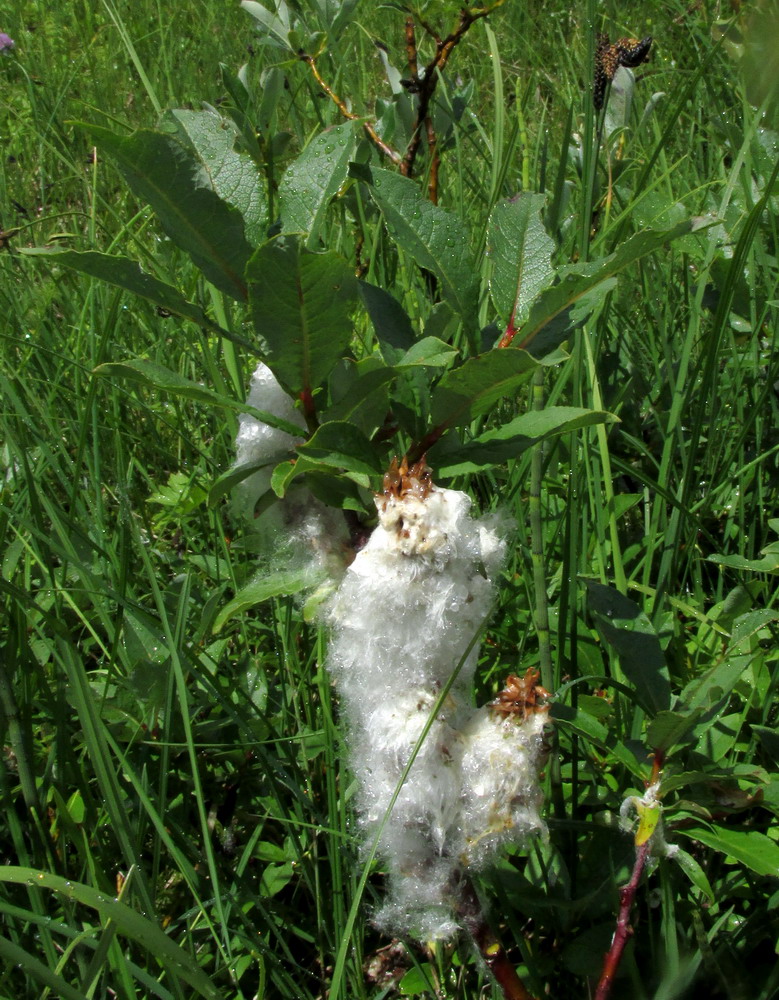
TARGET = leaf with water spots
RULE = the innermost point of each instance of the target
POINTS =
(435, 238)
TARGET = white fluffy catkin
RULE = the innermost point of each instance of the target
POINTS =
(404, 615)
(298, 528)
(402, 619)
(258, 442)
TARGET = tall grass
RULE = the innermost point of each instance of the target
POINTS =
(197, 775)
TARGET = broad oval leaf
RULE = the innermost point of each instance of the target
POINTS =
(127, 274)
(159, 377)
(301, 304)
(471, 389)
(234, 176)
(629, 631)
(547, 326)
(436, 239)
(429, 352)
(495, 447)
(313, 180)
(749, 847)
(363, 381)
(583, 724)
(272, 28)
(264, 586)
(670, 729)
(164, 173)
(520, 250)
(344, 446)
(693, 871)
(390, 321)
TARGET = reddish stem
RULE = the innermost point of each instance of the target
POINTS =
(627, 894)
(624, 930)
(508, 336)
(416, 451)
(309, 409)
(490, 948)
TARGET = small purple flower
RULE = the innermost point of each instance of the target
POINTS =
(6, 42)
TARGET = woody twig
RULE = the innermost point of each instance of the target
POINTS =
(627, 895)
(490, 949)
(378, 142)
(425, 84)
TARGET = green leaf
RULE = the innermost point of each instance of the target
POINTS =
(418, 981)
(334, 15)
(429, 352)
(769, 740)
(336, 490)
(236, 474)
(240, 111)
(286, 472)
(717, 683)
(436, 239)
(271, 28)
(180, 491)
(669, 729)
(233, 175)
(312, 181)
(521, 253)
(769, 563)
(624, 626)
(693, 871)
(367, 377)
(156, 376)
(16, 956)
(671, 782)
(128, 922)
(344, 446)
(746, 628)
(264, 586)
(127, 274)
(718, 736)
(301, 304)
(164, 173)
(749, 847)
(390, 320)
(471, 389)
(275, 878)
(585, 725)
(617, 114)
(495, 447)
(580, 280)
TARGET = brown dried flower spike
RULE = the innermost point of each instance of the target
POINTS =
(403, 482)
(521, 695)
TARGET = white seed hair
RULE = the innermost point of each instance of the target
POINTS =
(258, 442)
(402, 620)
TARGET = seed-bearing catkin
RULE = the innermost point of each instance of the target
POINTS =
(297, 529)
(402, 620)
(257, 442)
